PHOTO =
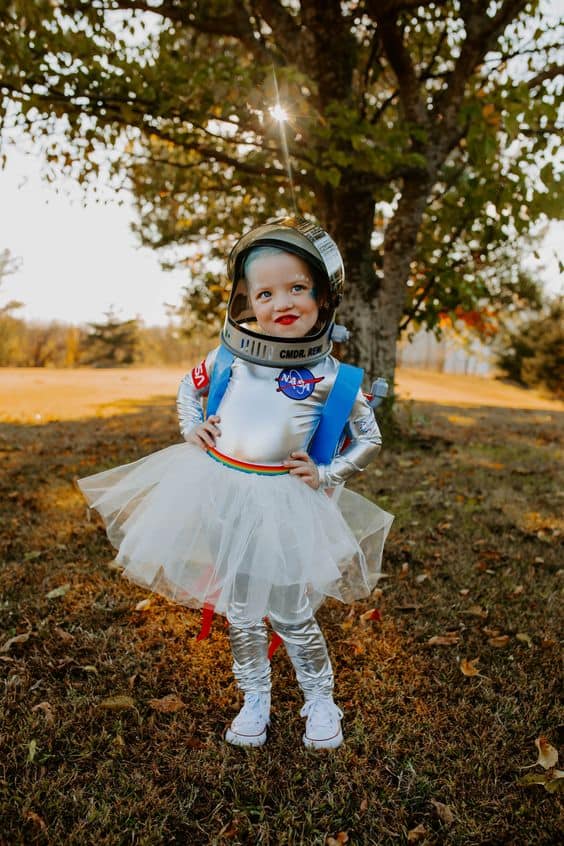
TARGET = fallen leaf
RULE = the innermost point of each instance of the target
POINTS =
(469, 668)
(477, 611)
(47, 710)
(21, 638)
(90, 668)
(553, 781)
(342, 837)
(416, 834)
(121, 702)
(422, 577)
(64, 635)
(34, 818)
(448, 639)
(404, 572)
(194, 743)
(59, 591)
(464, 591)
(500, 641)
(556, 784)
(444, 812)
(143, 605)
(490, 632)
(525, 638)
(548, 756)
(517, 590)
(31, 556)
(363, 805)
(372, 614)
(168, 704)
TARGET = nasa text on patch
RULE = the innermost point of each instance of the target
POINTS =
(297, 383)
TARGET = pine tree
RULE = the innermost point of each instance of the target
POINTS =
(114, 343)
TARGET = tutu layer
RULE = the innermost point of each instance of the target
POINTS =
(197, 532)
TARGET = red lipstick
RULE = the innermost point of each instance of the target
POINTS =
(286, 319)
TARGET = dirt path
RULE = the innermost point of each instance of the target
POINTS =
(39, 395)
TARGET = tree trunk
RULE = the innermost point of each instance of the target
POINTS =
(373, 306)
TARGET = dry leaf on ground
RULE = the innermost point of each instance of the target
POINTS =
(34, 818)
(342, 837)
(500, 641)
(477, 611)
(121, 702)
(143, 605)
(373, 614)
(47, 710)
(525, 638)
(416, 834)
(21, 638)
(448, 639)
(58, 591)
(548, 756)
(168, 704)
(469, 667)
(64, 635)
(444, 812)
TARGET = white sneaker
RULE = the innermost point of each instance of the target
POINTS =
(323, 726)
(249, 726)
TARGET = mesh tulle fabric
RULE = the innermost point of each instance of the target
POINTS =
(200, 533)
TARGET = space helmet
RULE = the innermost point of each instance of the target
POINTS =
(314, 246)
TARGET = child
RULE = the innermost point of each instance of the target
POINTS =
(240, 518)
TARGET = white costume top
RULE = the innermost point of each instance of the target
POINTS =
(267, 413)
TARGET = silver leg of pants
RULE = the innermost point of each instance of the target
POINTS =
(305, 645)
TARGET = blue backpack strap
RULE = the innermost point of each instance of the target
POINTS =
(335, 413)
(220, 376)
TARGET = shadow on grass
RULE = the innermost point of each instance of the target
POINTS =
(463, 558)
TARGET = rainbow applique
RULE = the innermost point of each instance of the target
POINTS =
(246, 467)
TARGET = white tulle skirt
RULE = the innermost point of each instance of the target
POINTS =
(201, 533)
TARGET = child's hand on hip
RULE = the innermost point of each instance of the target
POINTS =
(205, 434)
(300, 464)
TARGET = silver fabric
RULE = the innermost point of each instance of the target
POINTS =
(312, 243)
(305, 645)
(249, 647)
(307, 650)
(266, 415)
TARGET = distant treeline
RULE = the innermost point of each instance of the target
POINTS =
(112, 343)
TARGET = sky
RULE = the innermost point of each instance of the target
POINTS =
(78, 260)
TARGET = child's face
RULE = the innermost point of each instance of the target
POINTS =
(282, 295)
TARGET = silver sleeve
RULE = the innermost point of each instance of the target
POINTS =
(193, 387)
(365, 444)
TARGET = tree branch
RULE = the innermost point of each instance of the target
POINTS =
(400, 62)
(552, 72)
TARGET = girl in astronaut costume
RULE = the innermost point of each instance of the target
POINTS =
(239, 518)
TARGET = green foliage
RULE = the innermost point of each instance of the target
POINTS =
(445, 116)
(533, 354)
(113, 343)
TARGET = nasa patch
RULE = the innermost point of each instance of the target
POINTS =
(297, 383)
(200, 376)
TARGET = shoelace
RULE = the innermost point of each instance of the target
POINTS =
(324, 711)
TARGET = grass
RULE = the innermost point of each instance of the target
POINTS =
(474, 550)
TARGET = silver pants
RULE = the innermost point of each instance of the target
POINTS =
(304, 644)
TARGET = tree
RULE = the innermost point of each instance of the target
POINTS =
(113, 343)
(533, 353)
(420, 133)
